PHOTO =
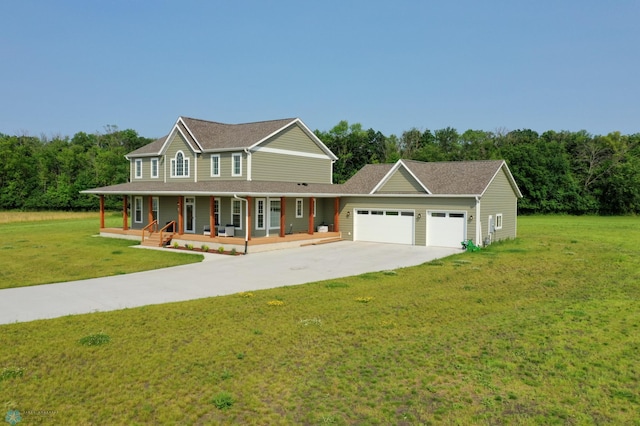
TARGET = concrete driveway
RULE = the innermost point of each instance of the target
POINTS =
(216, 276)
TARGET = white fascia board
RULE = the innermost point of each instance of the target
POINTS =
(170, 137)
(390, 173)
(306, 130)
(153, 154)
(191, 134)
(289, 152)
(510, 178)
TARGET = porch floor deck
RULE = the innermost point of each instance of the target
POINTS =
(257, 243)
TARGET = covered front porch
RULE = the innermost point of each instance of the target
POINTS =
(262, 223)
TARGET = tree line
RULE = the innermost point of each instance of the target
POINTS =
(557, 172)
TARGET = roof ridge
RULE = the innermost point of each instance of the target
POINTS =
(238, 124)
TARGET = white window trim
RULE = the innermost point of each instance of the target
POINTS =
(299, 208)
(233, 164)
(185, 166)
(137, 168)
(240, 214)
(279, 213)
(215, 157)
(155, 202)
(498, 224)
(156, 162)
(137, 202)
(262, 201)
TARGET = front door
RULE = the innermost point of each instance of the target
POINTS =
(190, 214)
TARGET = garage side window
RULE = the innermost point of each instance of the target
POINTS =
(499, 221)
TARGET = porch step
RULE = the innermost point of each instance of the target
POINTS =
(325, 241)
(153, 240)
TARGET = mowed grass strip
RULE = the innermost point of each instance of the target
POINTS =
(540, 330)
(40, 248)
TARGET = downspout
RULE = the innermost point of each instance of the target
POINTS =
(246, 221)
(478, 223)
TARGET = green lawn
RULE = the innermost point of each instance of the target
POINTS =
(540, 330)
(47, 251)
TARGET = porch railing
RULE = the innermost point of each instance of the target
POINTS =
(152, 227)
(171, 225)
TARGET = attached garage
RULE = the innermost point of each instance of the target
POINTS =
(446, 229)
(384, 226)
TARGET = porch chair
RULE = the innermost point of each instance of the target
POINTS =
(227, 231)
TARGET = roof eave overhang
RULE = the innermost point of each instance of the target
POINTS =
(272, 194)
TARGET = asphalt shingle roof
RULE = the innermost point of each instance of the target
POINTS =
(440, 178)
(211, 135)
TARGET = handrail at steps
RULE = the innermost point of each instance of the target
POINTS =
(171, 224)
(152, 227)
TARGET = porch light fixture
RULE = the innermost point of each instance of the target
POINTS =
(348, 214)
(419, 215)
(470, 218)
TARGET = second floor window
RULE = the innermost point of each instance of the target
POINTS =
(236, 165)
(154, 167)
(179, 165)
(215, 165)
(138, 169)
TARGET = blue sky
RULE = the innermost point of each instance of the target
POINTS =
(70, 66)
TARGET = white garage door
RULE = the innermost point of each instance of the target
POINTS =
(445, 229)
(383, 226)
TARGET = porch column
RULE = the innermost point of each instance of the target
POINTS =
(212, 216)
(180, 215)
(101, 211)
(249, 218)
(150, 215)
(312, 202)
(336, 214)
(125, 215)
(283, 225)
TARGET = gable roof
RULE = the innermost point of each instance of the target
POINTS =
(469, 178)
(211, 136)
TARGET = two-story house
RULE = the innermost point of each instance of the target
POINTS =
(274, 179)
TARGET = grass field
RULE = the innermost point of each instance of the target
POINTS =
(540, 330)
(49, 247)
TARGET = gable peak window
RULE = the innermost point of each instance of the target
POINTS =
(180, 165)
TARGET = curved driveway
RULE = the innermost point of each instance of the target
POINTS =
(216, 276)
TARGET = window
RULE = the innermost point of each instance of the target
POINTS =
(179, 165)
(137, 209)
(499, 221)
(215, 165)
(299, 208)
(260, 213)
(274, 214)
(138, 171)
(154, 167)
(236, 213)
(236, 165)
(154, 207)
(216, 211)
